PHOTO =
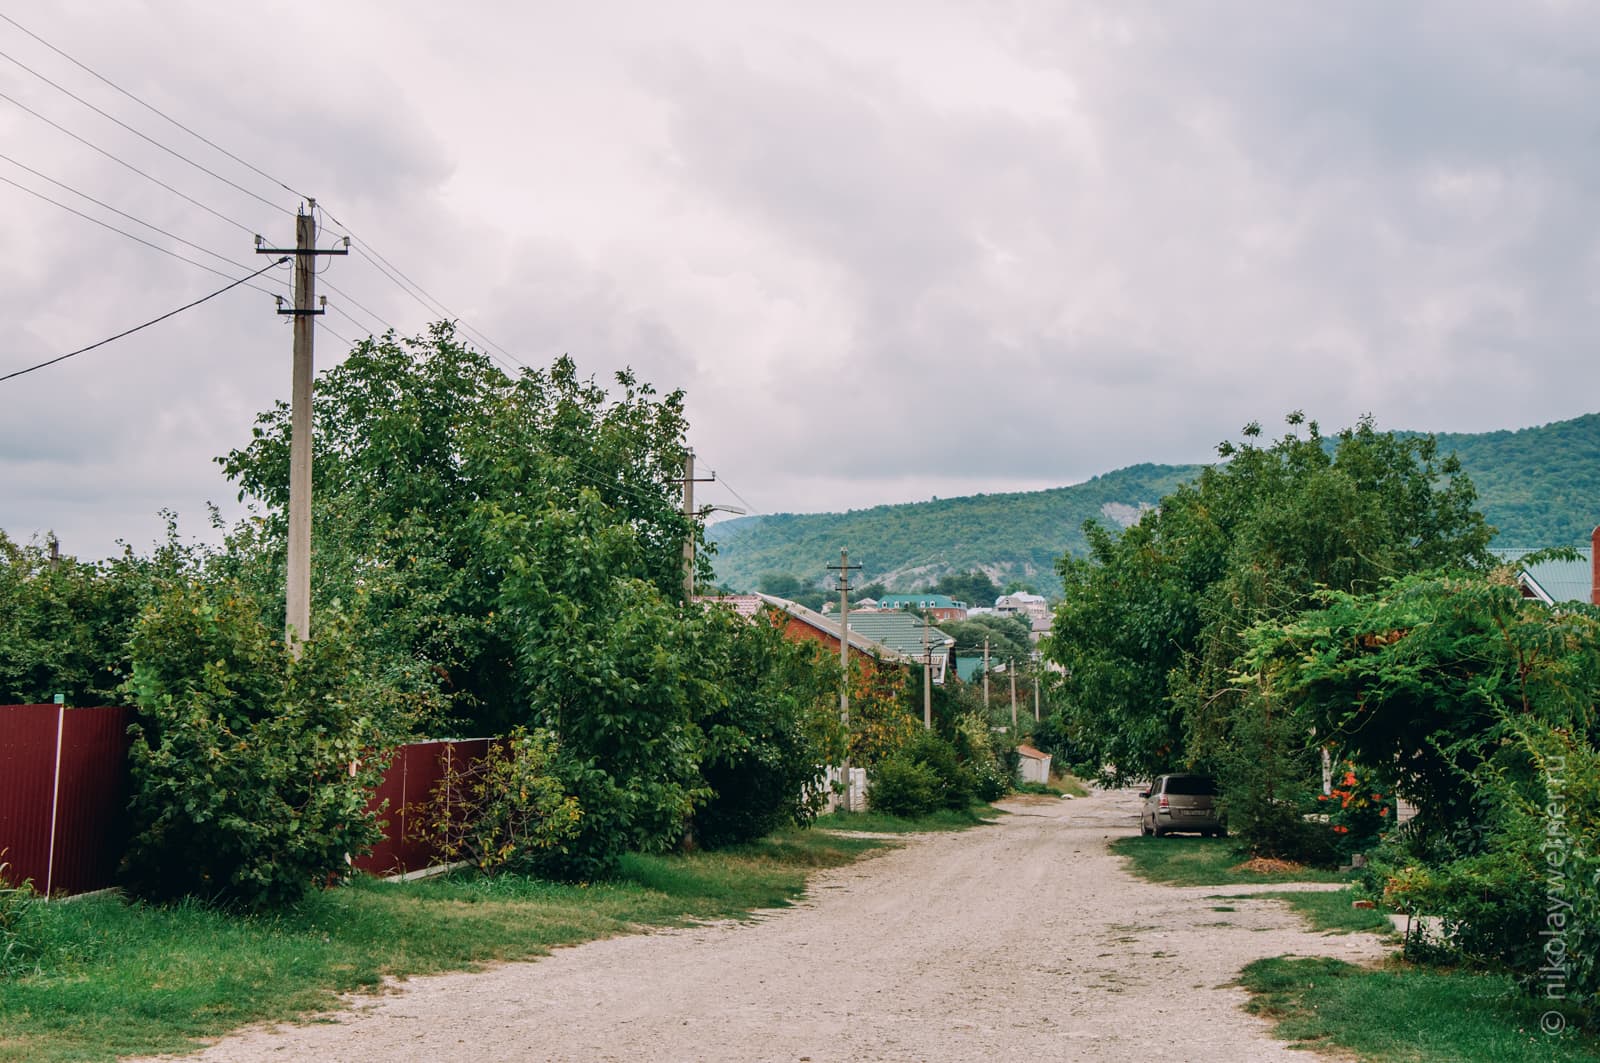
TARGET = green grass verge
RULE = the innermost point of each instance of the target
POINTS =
(1204, 862)
(123, 979)
(1412, 1014)
(878, 823)
(1327, 910)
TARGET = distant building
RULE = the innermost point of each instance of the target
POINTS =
(938, 606)
(1558, 582)
(1030, 607)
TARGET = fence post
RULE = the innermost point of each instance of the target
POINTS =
(55, 795)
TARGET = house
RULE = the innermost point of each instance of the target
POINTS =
(937, 606)
(1030, 607)
(802, 624)
(908, 635)
(1556, 582)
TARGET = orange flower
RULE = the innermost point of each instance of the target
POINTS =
(1341, 829)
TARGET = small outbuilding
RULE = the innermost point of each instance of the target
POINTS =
(1032, 765)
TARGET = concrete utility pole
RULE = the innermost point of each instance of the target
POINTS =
(1035, 691)
(927, 678)
(1011, 670)
(297, 595)
(844, 568)
(986, 672)
(689, 481)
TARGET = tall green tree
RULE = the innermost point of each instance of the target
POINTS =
(1151, 626)
(420, 443)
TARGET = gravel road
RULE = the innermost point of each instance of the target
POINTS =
(1025, 940)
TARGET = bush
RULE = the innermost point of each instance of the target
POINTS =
(767, 708)
(499, 813)
(244, 792)
(904, 787)
(957, 783)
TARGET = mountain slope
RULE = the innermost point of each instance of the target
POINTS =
(1538, 486)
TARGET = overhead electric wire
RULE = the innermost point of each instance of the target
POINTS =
(143, 136)
(123, 162)
(152, 107)
(131, 236)
(412, 288)
(121, 213)
(147, 324)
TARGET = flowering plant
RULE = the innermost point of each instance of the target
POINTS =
(1359, 811)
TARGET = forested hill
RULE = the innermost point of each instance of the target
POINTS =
(1539, 486)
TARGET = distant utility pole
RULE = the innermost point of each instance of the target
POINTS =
(844, 568)
(297, 621)
(688, 511)
(986, 671)
(927, 678)
(1011, 670)
(1035, 691)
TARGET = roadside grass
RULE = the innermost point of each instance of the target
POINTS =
(1327, 910)
(123, 979)
(1414, 1014)
(877, 823)
(1205, 862)
(1070, 785)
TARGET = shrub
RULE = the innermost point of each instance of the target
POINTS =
(251, 769)
(956, 781)
(500, 812)
(990, 765)
(766, 708)
(904, 787)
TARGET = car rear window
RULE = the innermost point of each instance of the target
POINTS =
(1191, 785)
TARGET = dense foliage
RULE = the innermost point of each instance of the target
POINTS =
(423, 445)
(252, 768)
(1151, 627)
(1478, 705)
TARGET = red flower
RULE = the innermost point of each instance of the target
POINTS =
(1341, 829)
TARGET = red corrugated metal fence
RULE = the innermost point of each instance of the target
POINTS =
(413, 773)
(63, 786)
(62, 826)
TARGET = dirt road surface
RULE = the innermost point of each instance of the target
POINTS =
(1025, 940)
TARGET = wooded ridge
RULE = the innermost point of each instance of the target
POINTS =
(1538, 486)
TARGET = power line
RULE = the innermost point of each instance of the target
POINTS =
(147, 324)
(123, 162)
(438, 306)
(121, 213)
(152, 107)
(131, 236)
(141, 135)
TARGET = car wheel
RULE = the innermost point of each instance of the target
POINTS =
(1144, 828)
(1157, 831)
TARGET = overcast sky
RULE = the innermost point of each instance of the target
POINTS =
(890, 250)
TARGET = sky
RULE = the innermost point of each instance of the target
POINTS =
(889, 250)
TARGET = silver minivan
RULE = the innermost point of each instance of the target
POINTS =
(1181, 802)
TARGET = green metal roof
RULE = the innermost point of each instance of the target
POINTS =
(901, 632)
(1555, 581)
(928, 600)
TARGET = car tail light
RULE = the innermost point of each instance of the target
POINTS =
(1164, 803)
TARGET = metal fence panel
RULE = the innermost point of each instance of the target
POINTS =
(63, 780)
